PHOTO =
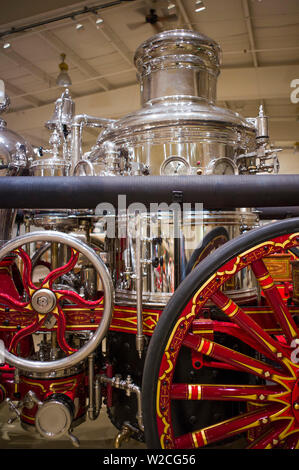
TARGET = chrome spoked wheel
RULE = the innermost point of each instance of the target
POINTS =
(46, 298)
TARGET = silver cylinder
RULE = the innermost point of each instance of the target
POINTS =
(15, 153)
(179, 129)
(173, 64)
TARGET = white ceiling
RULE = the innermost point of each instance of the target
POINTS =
(260, 57)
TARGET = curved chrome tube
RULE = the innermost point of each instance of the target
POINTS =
(80, 121)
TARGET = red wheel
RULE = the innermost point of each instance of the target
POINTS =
(221, 374)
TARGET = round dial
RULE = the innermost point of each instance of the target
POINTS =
(223, 166)
(175, 166)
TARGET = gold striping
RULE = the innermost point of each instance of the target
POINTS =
(194, 438)
(263, 278)
(227, 305)
(268, 286)
(234, 312)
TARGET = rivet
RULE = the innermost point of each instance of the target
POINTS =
(267, 374)
(265, 420)
(262, 397)
(296, 406)
(279, 354)
(275, 442)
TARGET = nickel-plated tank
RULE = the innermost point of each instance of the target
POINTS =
(15, 154)
(179, 130)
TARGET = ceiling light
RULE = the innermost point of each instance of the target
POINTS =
(170, 5)
(99, 21)
(79, 26)
(63, 78)
(6, 45)
(199, 6)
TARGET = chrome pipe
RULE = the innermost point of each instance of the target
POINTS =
(79, 122)
(139, 277)
(93, 407)
(129, 387)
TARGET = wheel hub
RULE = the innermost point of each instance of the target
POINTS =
(43, 301)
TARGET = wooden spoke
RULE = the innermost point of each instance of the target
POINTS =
(226, 429)
(236, 359)
(270, 438)
(236, 314)
(260, 394)
(275, 300)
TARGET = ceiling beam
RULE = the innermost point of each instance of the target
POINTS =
(250, 31)
(261, 83)
(252, 40)
(111, 104)
(183, 13)
(19, 60)
(240, 85)
(82, 64)
(14, 90)
(114, 40)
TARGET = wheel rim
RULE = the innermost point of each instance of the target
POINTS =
(45, 293)
(271, 416)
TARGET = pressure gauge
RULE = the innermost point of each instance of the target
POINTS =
(222, 166)
(175, 166)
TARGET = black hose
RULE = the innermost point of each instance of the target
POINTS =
(215, 192)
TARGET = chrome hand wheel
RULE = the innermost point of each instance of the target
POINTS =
(46, 299)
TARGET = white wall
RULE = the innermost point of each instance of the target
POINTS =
(289, 161)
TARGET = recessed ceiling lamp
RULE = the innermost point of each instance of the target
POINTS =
(199, 6)
(99, 21)
(63, 78)
(6, 45)
(79, 26)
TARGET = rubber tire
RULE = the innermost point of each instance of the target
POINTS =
(179, 300)
(216, 232)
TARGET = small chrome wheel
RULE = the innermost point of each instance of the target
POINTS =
(46, 297)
